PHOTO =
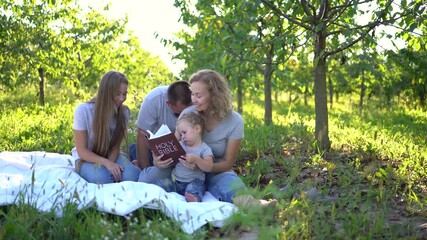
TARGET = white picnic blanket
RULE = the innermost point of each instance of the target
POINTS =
(48, 182)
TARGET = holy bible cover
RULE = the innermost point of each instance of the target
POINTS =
(165, 142)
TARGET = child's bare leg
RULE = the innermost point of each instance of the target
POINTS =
(191, 198)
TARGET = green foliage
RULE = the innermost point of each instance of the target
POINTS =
(29, 127)
(375, 172)
(251, 42)
(46, 130)
(411, 76)
(58, 43)
(26, 222)
(377, 165)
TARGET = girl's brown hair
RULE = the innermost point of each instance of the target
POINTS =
(106, 112)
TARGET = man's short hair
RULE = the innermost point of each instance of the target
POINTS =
(179, 91)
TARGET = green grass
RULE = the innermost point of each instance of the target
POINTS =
(372, 183)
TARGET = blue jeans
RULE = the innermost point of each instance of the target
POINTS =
(195, 187)
(132, 153)
(95, 173)
(223, 186)
(153, 174)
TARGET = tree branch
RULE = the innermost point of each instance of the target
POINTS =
(306, 8)
(336, 11)
(323, 9)
(288, 17)
(367, 28)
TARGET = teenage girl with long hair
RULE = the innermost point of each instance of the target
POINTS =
(100, 126)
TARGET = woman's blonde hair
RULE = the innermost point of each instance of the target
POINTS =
(221, 103)
(105, 112)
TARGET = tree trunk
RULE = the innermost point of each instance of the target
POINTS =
(268, 71)
(306, 95)
(423, 97)
(320, 94)
(331, 92)
(79, 72)
(362, 90)
(41, 86)
(239, 96)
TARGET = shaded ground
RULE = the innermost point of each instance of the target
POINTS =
(400, 213)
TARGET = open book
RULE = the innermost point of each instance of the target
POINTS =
(165, 142)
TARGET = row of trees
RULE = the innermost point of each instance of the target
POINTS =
(59, 43)
(301, 46)
(323, 48)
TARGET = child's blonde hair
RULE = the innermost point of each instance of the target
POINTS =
(194, 119)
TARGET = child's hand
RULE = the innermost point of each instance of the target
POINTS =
(190, 158)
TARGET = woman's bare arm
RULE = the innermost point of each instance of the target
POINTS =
(84, 153)
(89, 156)
(230, 157)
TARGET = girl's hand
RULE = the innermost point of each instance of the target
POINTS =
(189, 161)
(190, 158)
(162, 163)
(115, 169)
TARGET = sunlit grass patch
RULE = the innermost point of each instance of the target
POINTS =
(371, 184)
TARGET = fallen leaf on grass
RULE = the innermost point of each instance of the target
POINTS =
(394, 218)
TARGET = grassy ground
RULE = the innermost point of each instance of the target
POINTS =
(371, 185)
